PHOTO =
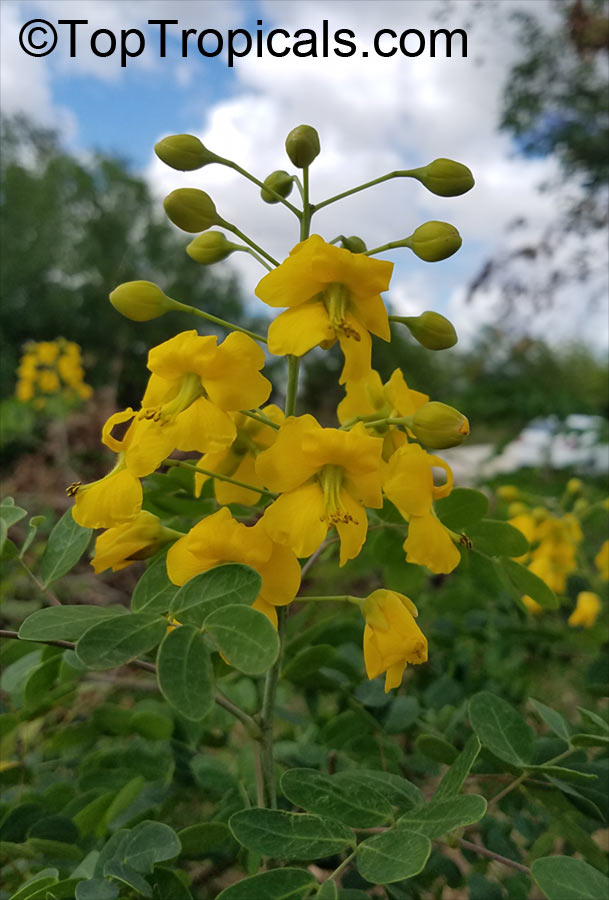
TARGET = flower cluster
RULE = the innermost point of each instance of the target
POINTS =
(50, 368)
(554, 554)
(303, 485)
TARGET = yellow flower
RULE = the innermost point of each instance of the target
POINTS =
(332, 294)
(601, 561)
(221, 539)
(238, 460)
(392, 638)
(586, 610)
(409, 484)
(526, 525)
(117, 497)
(47, 351)
(193, 387)
(370, 397)
(326, 478)
(122, 545)
(533, 606)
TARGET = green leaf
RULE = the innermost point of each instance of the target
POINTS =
(392, 856)
(39, 682)
(223, 585)
(207, 839)
(53, 849)
(452, 781)
(278, 884)
(501, 729)
(440, 816)
(61, 890)
(403, 713)
(590, 740)
(149, 843)
(462, 508)
(67, 543)
(563, 878)
(65, 623)
(120, 639)
(562, 772)
(395, 789)
(89, 817)
(121, 801)
(167, 885)
(42, 880)
(592, 719)
(308, 661)
(436, 748)
(33, 526)
(122, 871)
(327, 891)
(552, 718)
(338, 796)
(96, 889)
(154, 591)
(285, 835)
(185, 673)
(497, 538)
(526, 582)
(245, 636)
(11, 514)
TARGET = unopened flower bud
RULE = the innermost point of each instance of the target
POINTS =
(445, 177)
(302, 145)
(574, 485)
(432, 330)
(580, 506)
(210, 247)
(354, 244)
(141, 300)
(279, 181)
(508, 492)
(184, 152)
(517, 508)
(439, 426)
(434, 241)
(191, 210)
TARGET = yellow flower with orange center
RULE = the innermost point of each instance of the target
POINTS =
(326, 478)
(219, 538)
(392, 638)
(332, 295)
(409, 484)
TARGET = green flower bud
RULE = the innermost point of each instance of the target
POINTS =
(354, 244)
(210, 247)
(302, 145)
(184, 152)
(445, 177)
(280, 182)
(141, 300)
(433, 331)
(191, 210)
(434, 241)
(439, 426)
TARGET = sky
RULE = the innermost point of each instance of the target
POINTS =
(374, 115)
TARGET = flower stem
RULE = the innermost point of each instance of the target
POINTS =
(267, 720)
(217, 321)
(292, 388)
(260, 417)
(233, 165)
(234, 230)
(182, 464)
(256, 256)
(337, 598)
(403, 173)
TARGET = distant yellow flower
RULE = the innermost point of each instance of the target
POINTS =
(326, 478)
(601, 561)
(221, 539)
(586, 610)
(332, 294)
(194, 386)
(409, 484)
(526, 525)
(238, 460)
(122, 545)
(392, 638)
(533, 606)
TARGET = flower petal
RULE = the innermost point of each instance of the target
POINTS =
(298, 330)
(296, 519)
(429, 544)
(352, 534)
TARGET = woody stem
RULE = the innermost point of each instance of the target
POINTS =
(182, 464)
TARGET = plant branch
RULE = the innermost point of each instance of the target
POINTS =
(490, 854)
(247, 720)
(43, 590)
(403, 173)
(233, 165)
(234, 230)
(182, 464)
(217, 321)
(260, 417)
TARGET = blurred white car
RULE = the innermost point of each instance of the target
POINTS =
(578, 442)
